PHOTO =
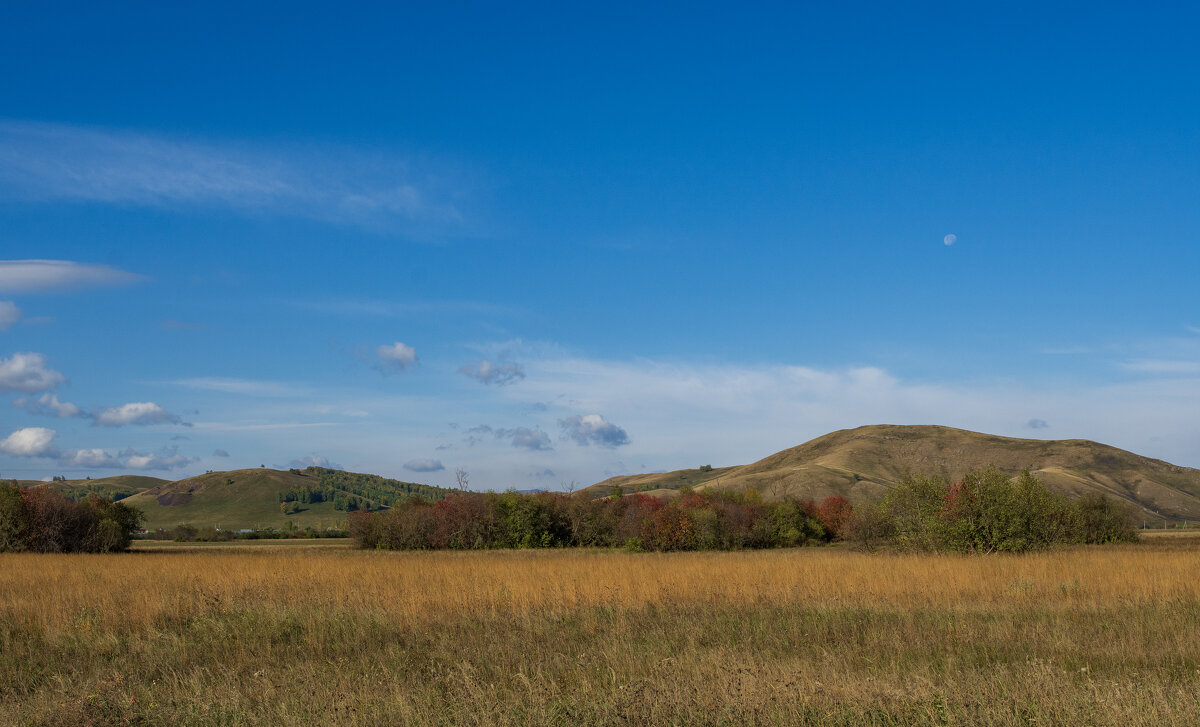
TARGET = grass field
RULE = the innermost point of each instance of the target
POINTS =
(308, 633)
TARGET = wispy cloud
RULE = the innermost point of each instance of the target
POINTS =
(244, 387)
(59, 276)
(44, 162)
(141, 413)
(260, 426)
(499, 373)
(401, 309)
(9, 314)
(1162, 366)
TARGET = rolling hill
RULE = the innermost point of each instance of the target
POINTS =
(251, 498)
(114, 488)
(864, 463)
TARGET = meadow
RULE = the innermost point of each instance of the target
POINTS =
(319, 633)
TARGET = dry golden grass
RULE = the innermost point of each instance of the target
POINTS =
(299, 635)
(136, 591)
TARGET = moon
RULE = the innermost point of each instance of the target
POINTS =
(950, 239)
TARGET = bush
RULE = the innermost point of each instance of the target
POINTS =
(1103, 520)
(43, 520)
(989, 511)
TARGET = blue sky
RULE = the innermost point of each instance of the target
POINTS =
(551, 243)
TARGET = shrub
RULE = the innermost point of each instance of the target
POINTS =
(43, 520)
(1104, 520)
(989, 511)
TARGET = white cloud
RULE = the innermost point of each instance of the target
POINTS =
(396, 357)
(90, 458)
(48, 404)
(27, 373)
(39, 442)
(500, 374)
(424, 465)
(593, 429)
(128, 459)
(314, 460)
(59, 276)
(950, 239)
(167, 459)
(42, 162)
(141, 413)
(9, 314)
(30, 442)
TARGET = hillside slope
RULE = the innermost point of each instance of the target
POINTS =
(864, 463)
(116, 487)
(250, 498)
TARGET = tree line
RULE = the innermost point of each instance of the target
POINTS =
(987, 511)
(43, 520)
(694, 521)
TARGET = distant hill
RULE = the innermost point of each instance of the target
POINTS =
(864, 463)
(113, 488)
(251, 498)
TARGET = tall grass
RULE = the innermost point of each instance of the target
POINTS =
(291, 636)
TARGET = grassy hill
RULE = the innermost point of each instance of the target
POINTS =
(864, 463)
(113, 488)
(250, 498)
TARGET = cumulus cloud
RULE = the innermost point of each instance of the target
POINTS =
(593, 429)
(128, 459)
(9, 314)
(314, 460)
(59, 276)
(1037, 424)
(500, 374)
(396, 357)
(30, 442)
(140, 413)
(27, 373)
(42, 161)
(89, 458)
(424, 465)
(39, 442)
(220, 453)
(525, 438)
(167, 459)
(48, 404)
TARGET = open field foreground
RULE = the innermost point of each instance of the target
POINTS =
(823, 636)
